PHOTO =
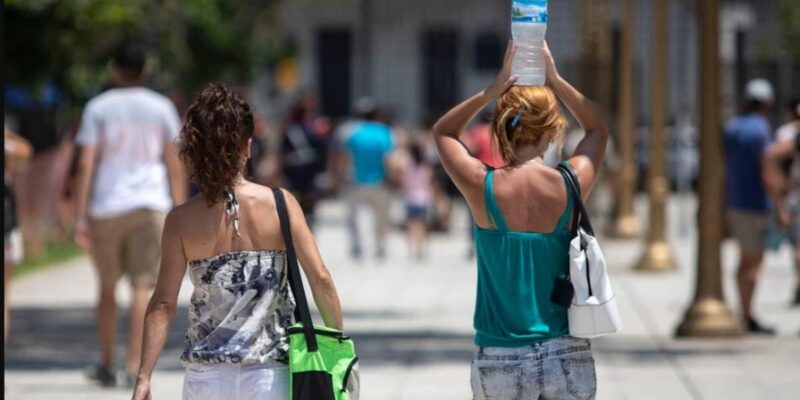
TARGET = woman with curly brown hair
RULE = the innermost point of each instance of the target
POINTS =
(522, 236)
(229, 238)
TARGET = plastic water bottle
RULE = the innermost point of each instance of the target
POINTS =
(528, 27)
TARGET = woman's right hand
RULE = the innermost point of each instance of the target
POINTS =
(550, 65)
(504, 80)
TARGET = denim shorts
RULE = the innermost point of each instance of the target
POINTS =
(556, 369)
(414, 211)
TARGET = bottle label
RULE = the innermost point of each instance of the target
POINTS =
(532, 11)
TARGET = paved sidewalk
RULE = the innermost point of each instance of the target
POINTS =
(412, 326)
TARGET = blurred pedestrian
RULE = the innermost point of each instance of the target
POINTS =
(418, 199)
(129, 176)
(304, 151)
(17, 150)
(229, 238)
(482, 144)
(369, 146)
(782, 177)
(747, 136)
(522, 237)
(791, 126)
(262, 166)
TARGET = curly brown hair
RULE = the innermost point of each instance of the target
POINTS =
(213, 140)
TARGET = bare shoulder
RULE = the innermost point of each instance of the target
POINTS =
(260, 200)
(552, 184)
(259, 194)
(182, 216)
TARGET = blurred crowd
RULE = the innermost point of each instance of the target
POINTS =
(366, 159)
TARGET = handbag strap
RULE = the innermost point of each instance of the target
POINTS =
(301, 311)
(580, 215)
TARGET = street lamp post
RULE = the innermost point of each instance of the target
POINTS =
(658, 254)
(627, 223)
(709, 315)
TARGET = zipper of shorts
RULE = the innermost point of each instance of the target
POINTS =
(347, 373)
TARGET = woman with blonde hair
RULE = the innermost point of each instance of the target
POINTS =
(522, 213)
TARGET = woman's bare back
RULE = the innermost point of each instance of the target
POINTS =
(532, 198)
(208, 231)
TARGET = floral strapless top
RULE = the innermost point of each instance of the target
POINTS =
(240, 309)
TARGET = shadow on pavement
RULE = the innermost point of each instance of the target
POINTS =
(643, 350)
(65, 338)
(412, 347)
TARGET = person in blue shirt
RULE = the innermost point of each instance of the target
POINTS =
(369, 144)
(747, 136)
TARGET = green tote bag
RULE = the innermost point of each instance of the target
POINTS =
(322, 361)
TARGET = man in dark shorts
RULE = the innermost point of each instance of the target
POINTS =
(746, 137)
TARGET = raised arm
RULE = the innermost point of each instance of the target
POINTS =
(588, 156)
(467, 171)
(163, 305)
(319, 278)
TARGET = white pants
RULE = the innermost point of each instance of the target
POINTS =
(236, 382)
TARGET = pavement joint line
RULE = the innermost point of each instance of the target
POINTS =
(661, 345)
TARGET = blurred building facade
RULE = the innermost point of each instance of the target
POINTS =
(418, 57)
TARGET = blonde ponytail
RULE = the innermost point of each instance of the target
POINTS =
(525, 115)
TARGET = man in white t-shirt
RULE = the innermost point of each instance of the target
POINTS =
(129, 177)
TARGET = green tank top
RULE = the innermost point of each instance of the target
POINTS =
(516, 275)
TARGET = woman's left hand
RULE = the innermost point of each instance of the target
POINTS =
(504, 79)
(142, 391)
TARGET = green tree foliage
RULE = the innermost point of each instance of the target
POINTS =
(790, 26)
(192, 41)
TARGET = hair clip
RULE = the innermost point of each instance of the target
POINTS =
(515, 121)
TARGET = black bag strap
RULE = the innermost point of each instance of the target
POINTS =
(301, 311)
(580, 215)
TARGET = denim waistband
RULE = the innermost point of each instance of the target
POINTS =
(551, 347)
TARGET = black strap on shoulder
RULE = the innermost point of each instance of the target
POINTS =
(580, 215)
(301, 311)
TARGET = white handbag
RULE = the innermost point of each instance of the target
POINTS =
(593, 311)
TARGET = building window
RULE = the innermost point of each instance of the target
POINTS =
(488, 51)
